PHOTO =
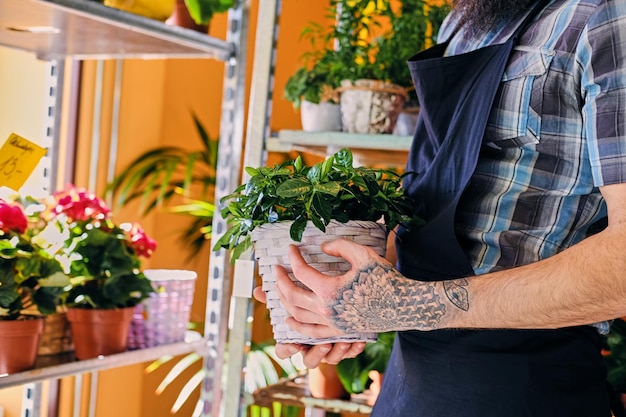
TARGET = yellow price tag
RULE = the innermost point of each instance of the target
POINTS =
(18, 159)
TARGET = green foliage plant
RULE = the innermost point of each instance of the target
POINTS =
(160, 175)
(339, 51)
(263, 368)
(202, 11)
(413, 28)
(329, 190)
(354, 372)
(615, 357)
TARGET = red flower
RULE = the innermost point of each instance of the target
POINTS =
(12, 218)
(139, 241)
(79, 204)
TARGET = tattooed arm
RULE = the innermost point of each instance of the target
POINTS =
(581, 285)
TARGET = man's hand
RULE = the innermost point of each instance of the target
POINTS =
(372, 297)
(313, 355)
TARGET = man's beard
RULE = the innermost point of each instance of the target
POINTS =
(482, 15)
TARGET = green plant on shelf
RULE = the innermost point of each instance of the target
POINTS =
(366, 39)
(162, 175)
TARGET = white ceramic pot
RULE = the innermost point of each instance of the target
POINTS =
(322, 117)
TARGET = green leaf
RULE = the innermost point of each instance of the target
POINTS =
(298, 164)
(315, 173)
(297, 229)
(344, 158)
(327, 167)
(331, 188)
(252, 171)
(294, 187)
(202, 11)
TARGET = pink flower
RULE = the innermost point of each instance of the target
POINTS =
(141, 243)
(79, 204)
(12, 218)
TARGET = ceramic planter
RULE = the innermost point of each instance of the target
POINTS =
(99, 332)
(180, 17)
(370, 106)
(19, 340)
(322, 117)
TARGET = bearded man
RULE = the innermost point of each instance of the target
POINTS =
(518, 166)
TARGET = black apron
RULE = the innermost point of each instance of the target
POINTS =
(474, 373)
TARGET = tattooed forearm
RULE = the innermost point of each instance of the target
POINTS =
(381, 299)
(456, 293)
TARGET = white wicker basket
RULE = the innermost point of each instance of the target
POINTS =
(271, 242)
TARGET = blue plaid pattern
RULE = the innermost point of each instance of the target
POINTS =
(557, 132)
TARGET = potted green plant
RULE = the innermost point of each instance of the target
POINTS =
(614, 354)
(202, 11)
(29, 277)
(312, 87)
(363, 54)
(103, 262)
(413, 28)
(292, 203)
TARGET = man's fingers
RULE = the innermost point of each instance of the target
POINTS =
(314, 355)
(316, 331)
(337, 353)
(259, 294)
(287, 350)
(346, 249)
(291, 294)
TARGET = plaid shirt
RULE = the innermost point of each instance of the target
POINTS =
(556, 132)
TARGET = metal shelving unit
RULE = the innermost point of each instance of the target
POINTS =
(58, 30)
(368, 149)
(57, 366)
(84, 29)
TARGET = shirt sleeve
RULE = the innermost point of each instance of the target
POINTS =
(602, 56)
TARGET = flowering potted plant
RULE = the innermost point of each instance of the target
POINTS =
(103, 262)
(30, 279)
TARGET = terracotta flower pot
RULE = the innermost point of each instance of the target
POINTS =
(19, 340)
(99, 332)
